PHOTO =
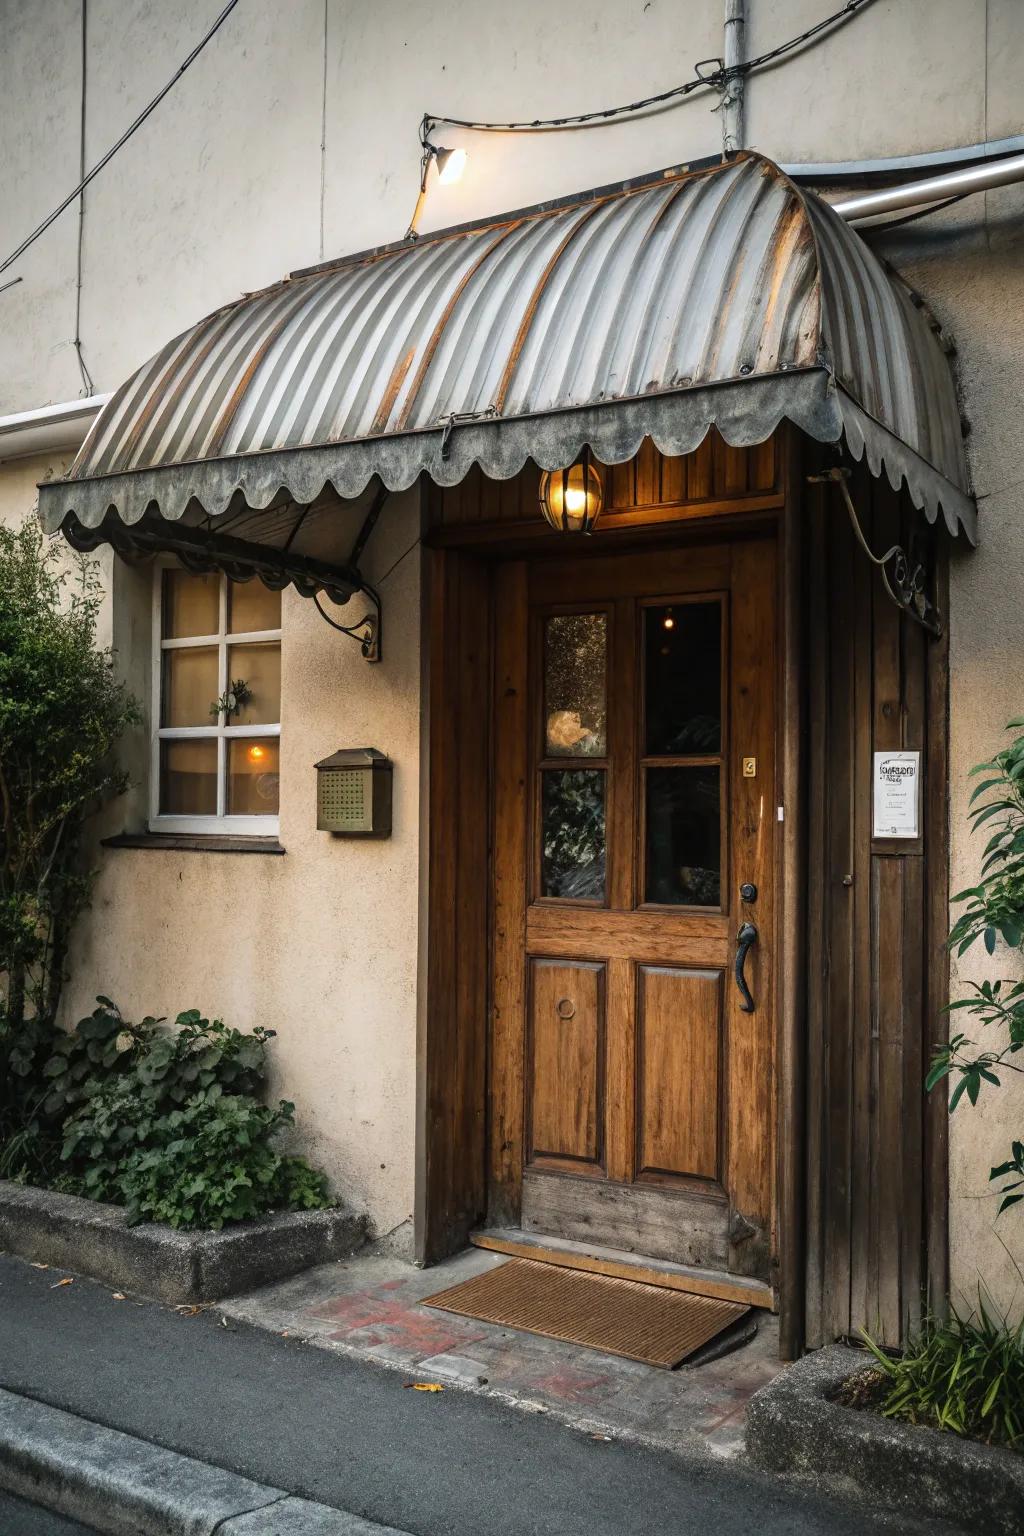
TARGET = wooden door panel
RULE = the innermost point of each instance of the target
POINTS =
(675, 1224)
(679, 1071)
(654, 937)
(640, 1114)
(566, 1062)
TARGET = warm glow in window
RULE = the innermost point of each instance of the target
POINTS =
(217, 704)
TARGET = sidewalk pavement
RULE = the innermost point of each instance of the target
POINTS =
(342, 1432)
(369, 1307)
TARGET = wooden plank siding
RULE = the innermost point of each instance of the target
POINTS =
(451, 1129)
(877, 972)
(714, 472)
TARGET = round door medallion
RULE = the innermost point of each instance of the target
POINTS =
(565, 1008)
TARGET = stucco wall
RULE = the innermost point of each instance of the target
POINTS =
(319, 944)
(293, 137)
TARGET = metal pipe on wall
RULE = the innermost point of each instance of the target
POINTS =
(979, 178)
(734, 52)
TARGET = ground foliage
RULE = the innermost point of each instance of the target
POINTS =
(961, 1374)
(168, 1122)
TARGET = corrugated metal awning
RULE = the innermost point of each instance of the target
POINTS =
(726, 297)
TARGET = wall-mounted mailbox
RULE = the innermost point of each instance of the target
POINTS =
(353, 793)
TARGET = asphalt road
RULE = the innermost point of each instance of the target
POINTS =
(347, 1433)
(19, 1519)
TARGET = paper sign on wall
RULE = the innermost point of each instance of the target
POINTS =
(897, 792)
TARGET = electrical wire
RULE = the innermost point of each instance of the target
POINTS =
(122, 141)
(716, 79)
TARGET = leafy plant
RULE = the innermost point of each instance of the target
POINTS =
(232, 699)
(62, 711)
(994, 909)
(168, 1122)
(960, 1374)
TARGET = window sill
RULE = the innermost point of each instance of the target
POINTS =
(194, 842)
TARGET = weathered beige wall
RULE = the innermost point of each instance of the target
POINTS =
(226, 188)
(319, 944)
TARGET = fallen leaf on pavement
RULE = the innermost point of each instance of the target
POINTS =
(117, 1295)
(59, 1283)
(188, 1311)
(425, 1386)
(40, 1266)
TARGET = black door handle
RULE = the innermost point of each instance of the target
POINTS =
(746, 937)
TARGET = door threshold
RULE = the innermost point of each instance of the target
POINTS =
(624, 1266)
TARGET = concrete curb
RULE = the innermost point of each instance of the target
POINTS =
(793, 1426)
(121, 1486)
(173, 1267)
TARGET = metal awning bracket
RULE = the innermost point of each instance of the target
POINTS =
(903, 574)
(367, 630)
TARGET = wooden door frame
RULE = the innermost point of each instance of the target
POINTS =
(460, 643)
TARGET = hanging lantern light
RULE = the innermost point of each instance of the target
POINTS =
(571, 499)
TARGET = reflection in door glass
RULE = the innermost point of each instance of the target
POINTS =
(573, 834)
(684, 858)
(683, 676)
(575, 712)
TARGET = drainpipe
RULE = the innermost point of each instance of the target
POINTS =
(734, 52)
(979, 178)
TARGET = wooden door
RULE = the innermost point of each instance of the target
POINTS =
(631, 1090)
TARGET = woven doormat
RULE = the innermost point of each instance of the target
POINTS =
(622, 1317)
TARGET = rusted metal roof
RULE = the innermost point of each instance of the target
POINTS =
(726, 297)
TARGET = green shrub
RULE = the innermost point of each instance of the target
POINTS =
(993, 910)
(961, 1374)
(208, 1162)
(62, 711)
(168, 1123)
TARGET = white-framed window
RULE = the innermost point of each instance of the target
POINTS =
(215, 770)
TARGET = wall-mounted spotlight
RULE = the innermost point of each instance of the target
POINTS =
(450, 165)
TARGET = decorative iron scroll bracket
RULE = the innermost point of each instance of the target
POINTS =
(367, 630)
(903, 574)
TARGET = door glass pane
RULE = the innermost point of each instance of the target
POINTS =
(252, 606)
(190, 686)
(191, 605)
(684, 857)
(573, 834)
(253, 769)
(683, 679)
(260, 667)
(575, 711)
(188, 778)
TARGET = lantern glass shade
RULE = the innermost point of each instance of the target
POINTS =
(571, 499)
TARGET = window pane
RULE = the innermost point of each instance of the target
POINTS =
(684, 857)
(574, 685)
(190, 686)
(683, 679)
(191, 605)
(252, 606)
(188, 778)
(572, 834)
(259, 666)
(253, 769)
